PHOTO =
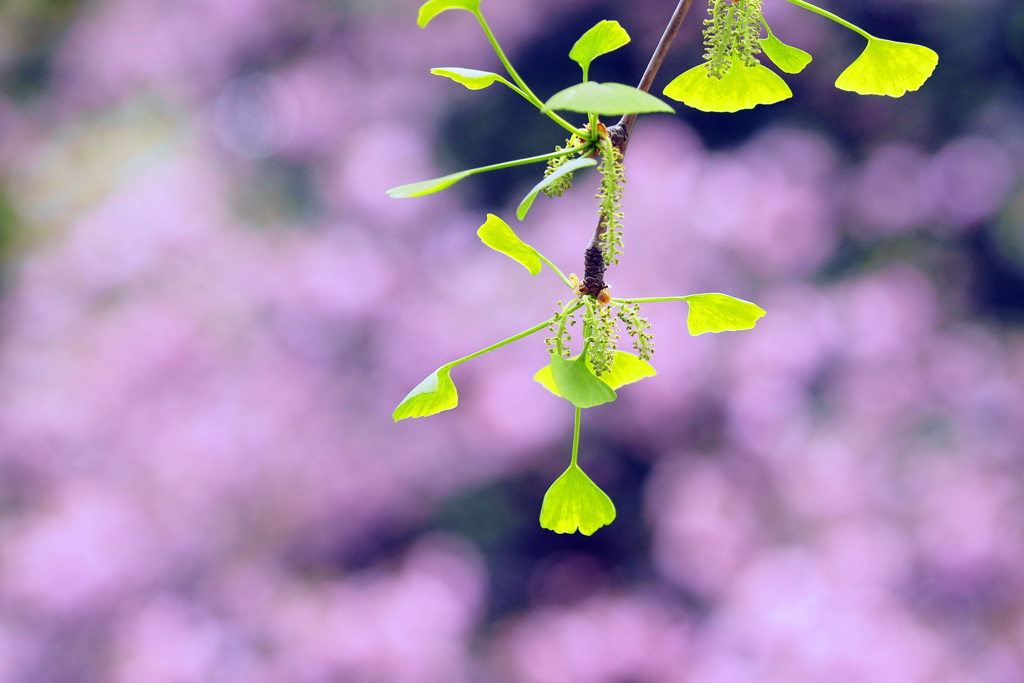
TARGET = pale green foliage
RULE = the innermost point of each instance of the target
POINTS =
(610, 99)
(626, 370)
(742, 87)
(575, 502)
(431, 9)
(578, 384)
(887, 67)
(425, 187)
(732, 40)
(497, 234)
(434, 394)
(720, 313)
(790, 59)
(613, 177)
(471, 78)
(604, 37)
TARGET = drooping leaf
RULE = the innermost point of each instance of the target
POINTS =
(626, 369)
(790, 59)
(577, 383)
(425, 187)
(431, 9)
(610, 99)
(574, 502)
(743, 87)
(567, 167)
(432, 395)
(720, 313)
(471, 78)
(496, 234)
(604, 37)
(887, 67)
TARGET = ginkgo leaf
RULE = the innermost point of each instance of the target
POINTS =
(626, 369)
(471, 78)
(431, 9)
(790, 59)
(577, 383)
(564, 169)
(496, 234)
(604, 37)
(544, 378)
(742, 87)
(610, 99)
(433, 395)
(425, 187)
(720, 313)
(574, 502)
(887, 67)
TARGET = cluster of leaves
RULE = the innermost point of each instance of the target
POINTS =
(731, 78)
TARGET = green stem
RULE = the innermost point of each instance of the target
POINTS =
(553, 267)
(523, 162)
(825, 13)
(575, 437)
(526, 92)
(503, 342)
(651, 299)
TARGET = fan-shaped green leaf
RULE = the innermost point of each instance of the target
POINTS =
(790, 59)
(577, 384)
(567, 167)
(720, 313)
(743, 87)
(626, 369)
(604, 37)
(432, 395)
(471, 78)
(887, 67)
(574, 502)
(610, 99)
(425, 187)
(431, 9)
(496, 234)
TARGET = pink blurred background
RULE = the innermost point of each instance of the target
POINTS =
(209, 308)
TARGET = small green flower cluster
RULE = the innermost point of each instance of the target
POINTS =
(602, 333)
(639, 329)
(558, 342)
(732, 32)
(558, 187)
(613, 177)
